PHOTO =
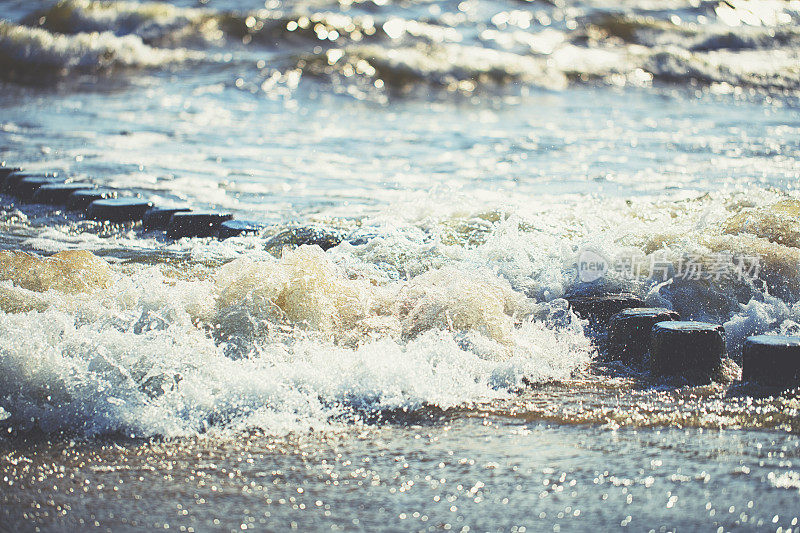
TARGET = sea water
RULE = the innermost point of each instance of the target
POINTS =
(426, 373)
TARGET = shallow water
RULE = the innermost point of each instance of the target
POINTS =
(467, 153)
(482, 474)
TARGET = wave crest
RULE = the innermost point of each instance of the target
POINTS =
(33, 51)
(451, 66)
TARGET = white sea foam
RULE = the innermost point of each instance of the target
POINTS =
(151, 354)
(444, 302)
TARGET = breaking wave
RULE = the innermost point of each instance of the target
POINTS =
(434, 307)
(279, 344)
